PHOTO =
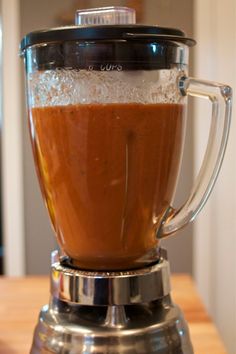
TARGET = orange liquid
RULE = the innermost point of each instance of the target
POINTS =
(108, 174)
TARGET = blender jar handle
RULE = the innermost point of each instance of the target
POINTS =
(221, 99)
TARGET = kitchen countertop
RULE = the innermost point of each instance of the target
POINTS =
(21, 299)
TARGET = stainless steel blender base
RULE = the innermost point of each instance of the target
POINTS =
(126, 325)
(156, 327)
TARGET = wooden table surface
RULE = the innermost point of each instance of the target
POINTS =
(21, 299)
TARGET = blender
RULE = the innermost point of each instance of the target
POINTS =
(107, 102)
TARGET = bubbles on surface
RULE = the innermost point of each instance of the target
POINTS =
(64, 87)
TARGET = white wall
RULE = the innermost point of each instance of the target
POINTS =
(12, 171)
(215, 229)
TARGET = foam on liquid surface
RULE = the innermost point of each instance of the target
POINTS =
(64, 87)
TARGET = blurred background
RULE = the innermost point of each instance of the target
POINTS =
(206, 249)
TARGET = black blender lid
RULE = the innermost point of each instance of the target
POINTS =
(105, 32)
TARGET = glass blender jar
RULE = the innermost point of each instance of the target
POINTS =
(107, 102)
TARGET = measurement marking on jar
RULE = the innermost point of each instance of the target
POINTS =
(111, 67)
